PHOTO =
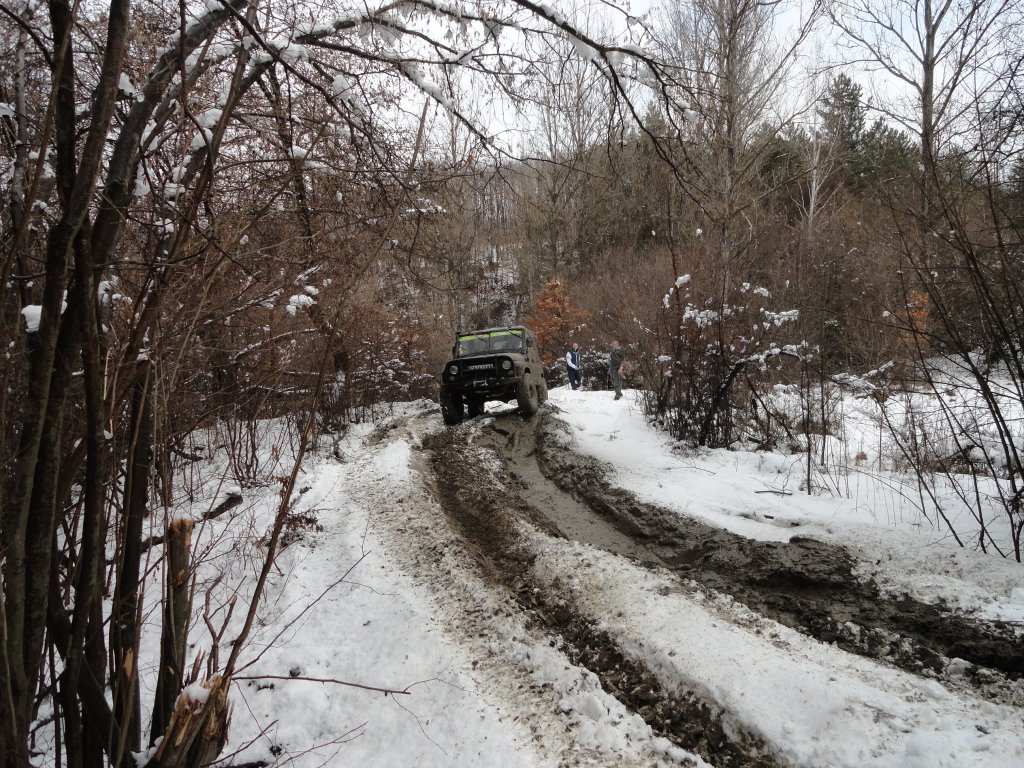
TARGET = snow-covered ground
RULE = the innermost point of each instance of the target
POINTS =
(382, 594)
(762, 495)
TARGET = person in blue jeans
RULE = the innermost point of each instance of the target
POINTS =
(572, 365)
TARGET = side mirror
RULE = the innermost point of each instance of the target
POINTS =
(529, 341)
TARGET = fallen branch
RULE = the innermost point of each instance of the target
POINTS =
(232, 501)
(385, 691)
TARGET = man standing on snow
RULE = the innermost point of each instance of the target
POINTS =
(615, 359)
(572, 365)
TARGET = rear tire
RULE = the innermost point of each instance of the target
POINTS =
(451, 407)
(526, 395)
(475, 408)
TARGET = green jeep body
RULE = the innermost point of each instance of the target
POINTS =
(492, 364)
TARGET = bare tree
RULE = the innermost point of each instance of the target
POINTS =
(185, 175)
(936, 59)
(572, 117)
(736, 73)
(955, 65)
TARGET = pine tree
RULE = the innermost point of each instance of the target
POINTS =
(843, 114)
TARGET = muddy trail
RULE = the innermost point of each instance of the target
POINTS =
(513, 470)
(486, 509)
(805, 584)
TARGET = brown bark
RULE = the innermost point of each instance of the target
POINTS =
(177, 606)
(197, 730)
(27, 538)
(39, 436)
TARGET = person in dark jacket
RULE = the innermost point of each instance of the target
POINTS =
(572, 365)
(615, 360)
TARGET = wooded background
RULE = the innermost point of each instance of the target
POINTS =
(225, 212)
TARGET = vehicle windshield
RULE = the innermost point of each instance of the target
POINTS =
(489, 341)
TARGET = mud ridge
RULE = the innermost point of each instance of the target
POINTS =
(482, 500)
(805, 584)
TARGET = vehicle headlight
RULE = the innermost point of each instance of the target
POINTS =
(506, 364)
(453, 370)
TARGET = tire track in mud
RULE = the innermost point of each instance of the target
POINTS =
(475, 493)
(805, 584)
(507, 657)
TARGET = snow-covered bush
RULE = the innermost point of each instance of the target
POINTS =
(712, 360)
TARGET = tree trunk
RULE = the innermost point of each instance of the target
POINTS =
(198, 727)
(177, 606)
(124, 625)
(25, 599)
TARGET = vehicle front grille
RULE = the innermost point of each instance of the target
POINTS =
(479, 369)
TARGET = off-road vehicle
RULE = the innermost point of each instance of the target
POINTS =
(492, 364)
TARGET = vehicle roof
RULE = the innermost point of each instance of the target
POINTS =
(478, 331)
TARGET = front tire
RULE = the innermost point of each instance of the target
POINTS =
(527, 396)
(451, 407)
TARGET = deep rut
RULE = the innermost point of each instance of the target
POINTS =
(511, 470)
(486, 504)
(804, 583)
